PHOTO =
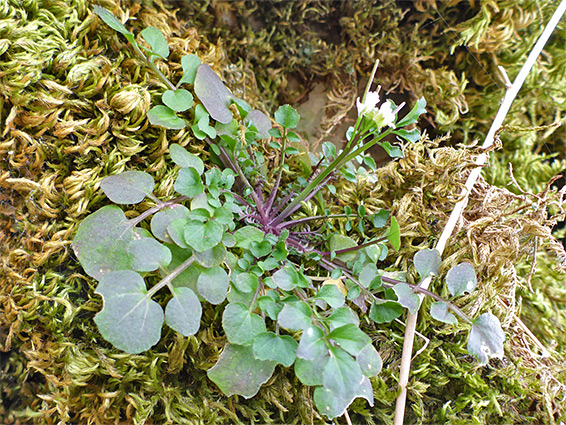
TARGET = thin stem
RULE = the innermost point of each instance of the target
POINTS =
(279, 173)
(355, 248)
(153, 67)
(158, 207)
(166, 281)
(459, 208)
(307, 219)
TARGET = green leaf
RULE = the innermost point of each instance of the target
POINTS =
(486, 338)
(339, 242)
(295, 316)
(165, 117)
(246, 235)
(411, 136)
(286, 278)
(130, 187)
(370, 361)
(280, 349)
(148, 255)
(111, 20)
(179, 100)
(239, 372)
(212, 285)
(183, 312)
(342, 316)
(309, 372)
(332, 405)
(161, 220)
(176, 231)
(439, 311)
(413, 116)
(406, 297)
(213, 94)
(368, 274)
(392, 151)
(188, 182)
(246, 282)
(184, 159)
(129, 320)
(427, 261)
(312, 344)
(342, 374)
(384, 311)
(223, 216)
(461, 279)
(331, 295)
(394, 235)
(287, 117)
(155, 39)
(203, 126)
(240, 325)
(212, 257)
(379, 219)
(101, 241)
(190, 64)
(260, 249)
(351, 338)
(203, 236)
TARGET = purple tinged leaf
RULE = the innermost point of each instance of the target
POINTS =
(130, 187)
(261, 122)
(101, 241)
(213, 94)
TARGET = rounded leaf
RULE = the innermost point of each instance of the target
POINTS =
(130, 187)
(179, 100)
(183, 312)
(427, 262)
(461, 279)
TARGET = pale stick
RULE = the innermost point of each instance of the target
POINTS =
(459, 207)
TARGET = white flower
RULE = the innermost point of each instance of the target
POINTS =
(385, 115)
(372, 99)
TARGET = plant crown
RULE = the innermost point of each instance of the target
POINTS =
(246, 236)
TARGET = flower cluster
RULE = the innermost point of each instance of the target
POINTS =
(382, 116)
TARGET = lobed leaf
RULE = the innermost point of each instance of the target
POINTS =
(179, 100)
(183, 312)
(406, 297)
(309, 372)
(148, 255)
(332, 295)
(295, 316)
(369, 361)
(439, 311)
(203, 236)
(101, 241)
(240, 325)
(277, 348)
(486, 338)
(129, 320)
(190, 64)
(213, 284)
(351, 338)
(188, 182)
(312, 344)
(238, 372)
(287, 117)
(342, 316)
(286, 278)
(155, 39)
(165, 117)
(342, 375)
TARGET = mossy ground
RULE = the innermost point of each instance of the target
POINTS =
(73, 109)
